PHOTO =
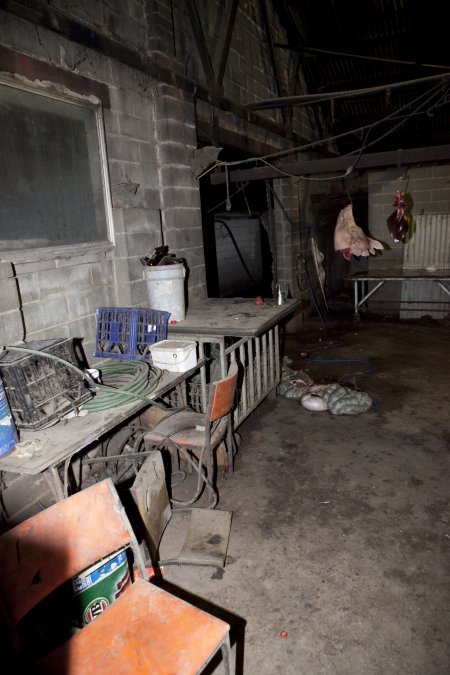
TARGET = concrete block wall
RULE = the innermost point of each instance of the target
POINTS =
(288, 222)
(58, 298)
(226, 130)
(176, 141)
(428, 192)
(249, 75)
(110, 18)
(151, 133)
(427, 187)
(150, 138)
(21, 498)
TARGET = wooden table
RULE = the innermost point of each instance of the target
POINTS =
(439, 276)
(238, 317)
(245, 332)
(40, 452)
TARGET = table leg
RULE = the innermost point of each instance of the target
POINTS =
(53, 480)
(355, 295)
(203, 391)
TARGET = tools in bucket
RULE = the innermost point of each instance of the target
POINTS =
(160, 256)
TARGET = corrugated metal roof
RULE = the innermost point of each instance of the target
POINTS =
(358, 44)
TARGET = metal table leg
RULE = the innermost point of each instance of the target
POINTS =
(355, 295)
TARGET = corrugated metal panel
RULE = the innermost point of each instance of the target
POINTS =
(429, 247)
(430, 244)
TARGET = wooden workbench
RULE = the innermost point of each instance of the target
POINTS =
(234, 317)
(40, 452)
(245, 332)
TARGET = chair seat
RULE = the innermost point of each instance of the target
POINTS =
(146, 630)
(186, 428)
(205, 437)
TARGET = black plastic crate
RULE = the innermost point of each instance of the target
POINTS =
(127, 332)
(41, 389)
(192, 396)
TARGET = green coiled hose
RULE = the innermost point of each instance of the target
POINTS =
(125, 388)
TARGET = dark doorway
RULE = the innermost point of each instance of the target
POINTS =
(226, 216)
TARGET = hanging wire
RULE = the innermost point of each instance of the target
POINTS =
(214, 208)
(306, 99)
(246, 202)
(440, 88)
(228, 201)
(392, 116)
(244, 264)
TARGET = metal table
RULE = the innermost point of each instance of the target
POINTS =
(255, 329)
(40, 452)
(439, 276)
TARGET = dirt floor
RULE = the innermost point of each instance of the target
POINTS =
(339, 551)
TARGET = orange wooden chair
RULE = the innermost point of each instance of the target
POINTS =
(145, 630)
(196, 436)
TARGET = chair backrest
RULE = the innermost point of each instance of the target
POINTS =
(222, 394)
(51, 547)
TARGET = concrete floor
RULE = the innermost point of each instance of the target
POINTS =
(341, 525)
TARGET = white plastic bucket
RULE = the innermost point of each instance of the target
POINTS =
(165, 289)
(177, 356)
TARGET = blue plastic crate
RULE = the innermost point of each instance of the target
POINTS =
(116, 333)
(151, 327)
(127, 332)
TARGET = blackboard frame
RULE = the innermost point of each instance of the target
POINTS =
(55, 139)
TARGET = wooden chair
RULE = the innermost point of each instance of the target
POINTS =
(195, 436)
(145, 630)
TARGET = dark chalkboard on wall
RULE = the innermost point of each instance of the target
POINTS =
(51, 182)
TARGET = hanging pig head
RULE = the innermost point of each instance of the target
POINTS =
(350, 239)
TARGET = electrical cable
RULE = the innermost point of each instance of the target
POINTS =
(362, 57)
(392, 116)
(330, 139)
(331, 344)
(327, 344)
(438, 89)
(198, 466)
(222, 222)
(166, 439)
(305, 99)
(313, 294)
(355, 373)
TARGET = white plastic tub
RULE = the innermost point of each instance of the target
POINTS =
(177, 356)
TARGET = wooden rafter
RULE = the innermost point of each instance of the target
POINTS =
(227, 41)
(201, 43)
(273, 56)
(276, 70)
(330, 165)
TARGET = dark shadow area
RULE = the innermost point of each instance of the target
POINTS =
(240, 200)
